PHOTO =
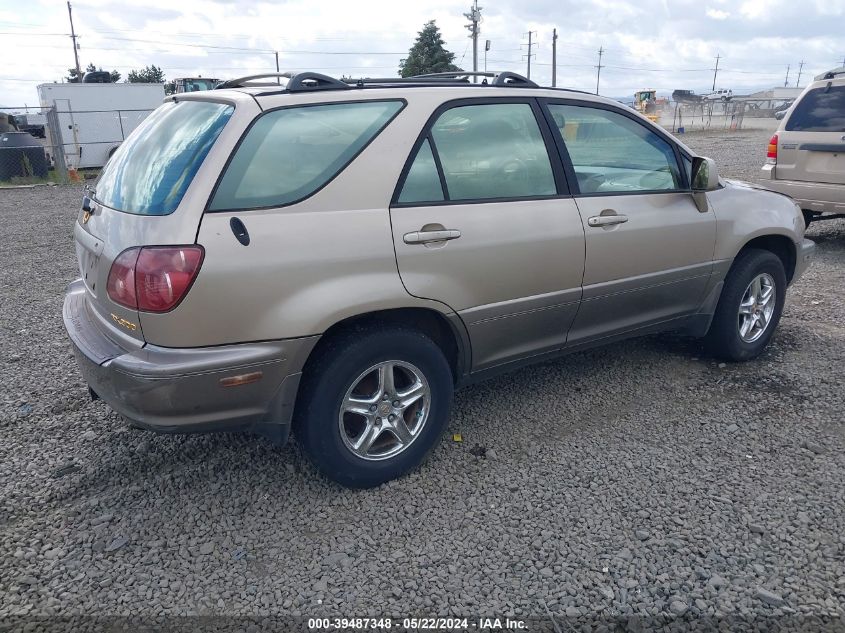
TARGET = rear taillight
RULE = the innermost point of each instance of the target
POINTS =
(772, 153)
(153, 278)
(121, 283)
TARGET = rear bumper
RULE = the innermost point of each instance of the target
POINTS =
(180, 390)
(811, 196)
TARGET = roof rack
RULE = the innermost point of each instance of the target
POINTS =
(831, 74)
(512, 80)
(308, 81)
(297, 82)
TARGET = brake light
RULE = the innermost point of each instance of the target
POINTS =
(772, 153)
(154, 278)
(121, 282)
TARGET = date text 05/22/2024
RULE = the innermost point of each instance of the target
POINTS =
(417, 624)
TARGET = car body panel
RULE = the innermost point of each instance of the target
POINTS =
(651, 268)
(514, 275)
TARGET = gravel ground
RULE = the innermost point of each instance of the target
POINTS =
(644, 479)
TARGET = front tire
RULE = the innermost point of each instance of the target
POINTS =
(750, 306)
(374, 403)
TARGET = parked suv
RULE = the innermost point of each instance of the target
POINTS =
(806, 156)
(719, 95)
(337, 257)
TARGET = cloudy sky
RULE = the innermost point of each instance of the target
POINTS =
(662, 44)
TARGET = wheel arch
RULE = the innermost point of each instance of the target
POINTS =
(447, 331)
(780, 245)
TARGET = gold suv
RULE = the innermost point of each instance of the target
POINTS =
(806, 156)
(337, 257)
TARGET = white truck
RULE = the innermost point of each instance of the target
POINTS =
(94, 118)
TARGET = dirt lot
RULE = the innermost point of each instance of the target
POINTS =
(643, 479)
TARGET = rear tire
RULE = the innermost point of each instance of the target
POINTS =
(349, 430)
(750, 306)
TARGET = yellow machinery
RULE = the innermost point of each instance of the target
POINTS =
(647, 104)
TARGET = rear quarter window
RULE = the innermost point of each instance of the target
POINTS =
(290, 153)
(819, 110)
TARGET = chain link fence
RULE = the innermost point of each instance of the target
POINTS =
(53, 145)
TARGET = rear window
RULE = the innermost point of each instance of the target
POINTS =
(290, 153)
(820, 110)
(150, 171)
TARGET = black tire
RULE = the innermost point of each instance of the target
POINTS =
(336, 366)
(809, 216)
(724, 339)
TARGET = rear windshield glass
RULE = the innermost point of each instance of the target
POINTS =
(151, 170)
(821, 110)
(289, 154)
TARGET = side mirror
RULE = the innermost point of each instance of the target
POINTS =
(705, 174)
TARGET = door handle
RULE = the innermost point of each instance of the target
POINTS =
(425, 237)
(607, 220)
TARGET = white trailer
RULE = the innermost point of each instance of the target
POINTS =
(93, 119)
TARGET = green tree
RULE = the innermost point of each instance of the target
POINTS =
(428, 55)
(74, 77)
(149, 75)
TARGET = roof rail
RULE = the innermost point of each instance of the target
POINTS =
(830, 74)
(297, 82)
(314, 81)
(499, 79)
(308, 81)
(240, 81)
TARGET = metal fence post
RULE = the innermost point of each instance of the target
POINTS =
(56, 144)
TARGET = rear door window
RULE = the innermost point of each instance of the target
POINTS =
(820, 110)
(485, 151)
(290, 153)
(151, 170)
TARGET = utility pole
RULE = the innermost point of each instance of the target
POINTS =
(715, 72)
(474, 16)
(598, 68)
(529, 53)
(278, 80)
(800, 68)
(486, 48)
(554, 58)
(73, 37)
(786, 81)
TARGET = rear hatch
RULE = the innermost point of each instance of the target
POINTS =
(811, 145)
(138, 203)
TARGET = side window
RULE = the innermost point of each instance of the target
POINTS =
(290, 153)
(422, 184)
(820, 110)
(486, 151)
(614, 154)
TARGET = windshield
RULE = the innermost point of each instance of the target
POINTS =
(151, 170)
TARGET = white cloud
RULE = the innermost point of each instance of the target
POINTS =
(717, 14)
(646, 43)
